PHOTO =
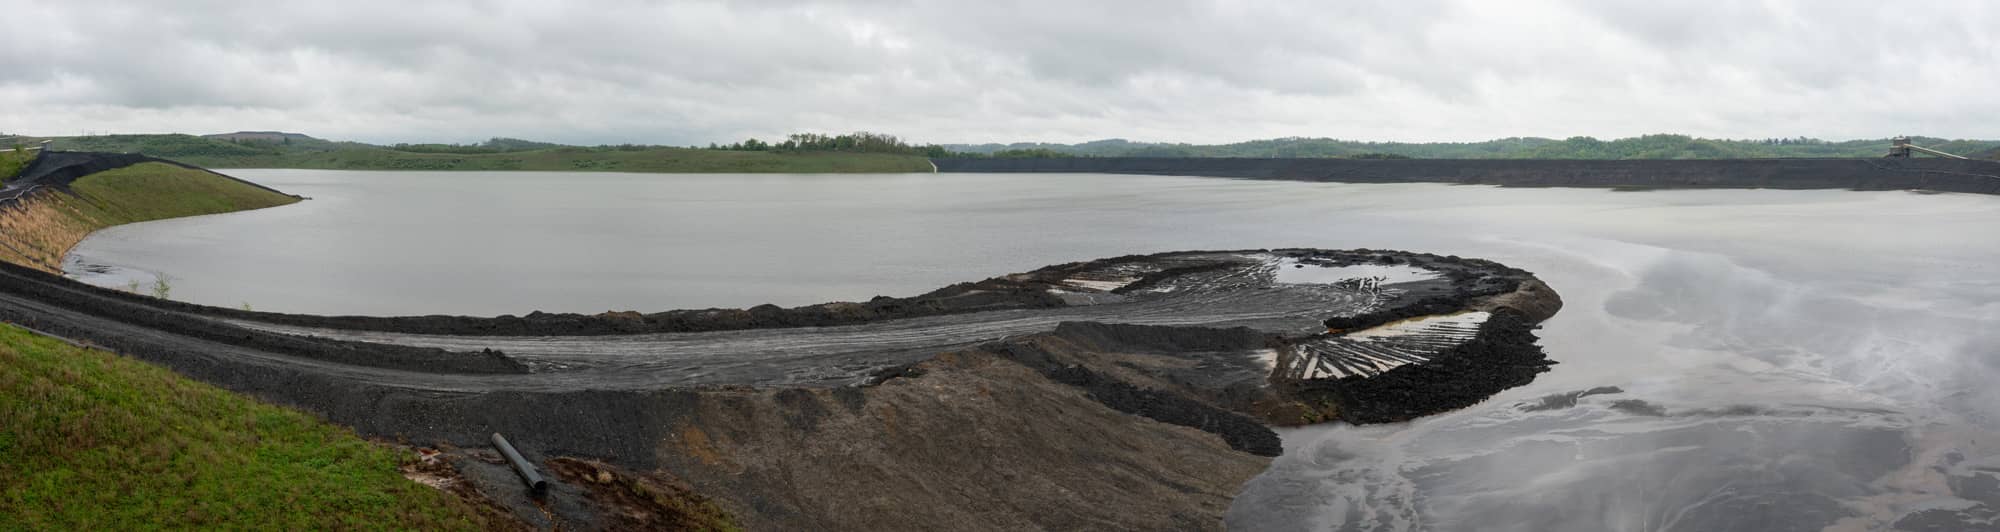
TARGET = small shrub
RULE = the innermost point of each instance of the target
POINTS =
(163, 286)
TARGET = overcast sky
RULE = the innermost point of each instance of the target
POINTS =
(997, 71)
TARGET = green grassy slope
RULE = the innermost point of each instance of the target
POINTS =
(154, 191)
(12, 162)
(94, 441)
(320, 154)
(42, 227)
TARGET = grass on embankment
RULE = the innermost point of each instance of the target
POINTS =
(13, 161)
(90, 440)
(39, 230)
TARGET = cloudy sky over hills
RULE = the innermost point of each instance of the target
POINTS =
(697, 72)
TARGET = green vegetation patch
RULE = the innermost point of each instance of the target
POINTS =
(12, 162)
(95, 441)
(154, 191)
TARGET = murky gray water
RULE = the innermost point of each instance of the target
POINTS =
(1789, 360)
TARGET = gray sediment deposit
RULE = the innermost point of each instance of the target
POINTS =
(1944, 175)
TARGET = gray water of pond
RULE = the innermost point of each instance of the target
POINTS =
(1788, 360)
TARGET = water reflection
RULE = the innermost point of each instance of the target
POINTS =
(1768, 404)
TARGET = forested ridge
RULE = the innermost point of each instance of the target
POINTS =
(1665, 146)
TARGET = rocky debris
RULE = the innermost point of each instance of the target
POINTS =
(631, 501)
(440, 470)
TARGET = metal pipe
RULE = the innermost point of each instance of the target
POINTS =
(521, 465)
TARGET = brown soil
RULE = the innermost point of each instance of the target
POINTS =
(634, 501)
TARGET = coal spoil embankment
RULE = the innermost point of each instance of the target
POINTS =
(1503, 355)
(58, 305)
(1027, 291)
(1943, 175)
(1132, 392)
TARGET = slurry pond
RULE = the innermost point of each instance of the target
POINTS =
(1779, 360)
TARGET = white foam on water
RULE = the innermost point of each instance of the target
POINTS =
(1424, 325)
(1268, 358)
(1099, 285)
(1291, 271)
(1391, 337)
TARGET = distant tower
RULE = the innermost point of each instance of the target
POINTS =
(1899, 147)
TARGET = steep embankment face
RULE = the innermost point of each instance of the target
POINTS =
(1946, 175)
(64, 197)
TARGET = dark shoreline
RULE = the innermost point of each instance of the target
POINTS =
(1944, 175)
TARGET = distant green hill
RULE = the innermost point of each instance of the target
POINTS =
(827, 154)
(1643, 147)
(292, 150)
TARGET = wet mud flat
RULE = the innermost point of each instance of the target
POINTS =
(1943, 175)
(1130, 392)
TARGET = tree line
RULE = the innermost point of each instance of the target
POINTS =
(1640, 147)
(857, 142)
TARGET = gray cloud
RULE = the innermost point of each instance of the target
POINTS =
(696, 72)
